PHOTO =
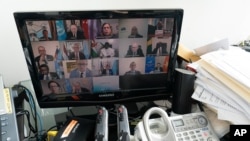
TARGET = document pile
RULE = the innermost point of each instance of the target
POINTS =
(223, 84)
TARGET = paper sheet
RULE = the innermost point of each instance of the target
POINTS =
(215, 87)
(227, 80)
(223, 108)
(217, 45)
(233, 62)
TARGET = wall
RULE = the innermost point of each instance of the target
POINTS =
(204, 22)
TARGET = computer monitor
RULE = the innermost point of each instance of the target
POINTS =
(78, 58)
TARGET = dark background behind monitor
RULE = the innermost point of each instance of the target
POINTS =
(146, 92)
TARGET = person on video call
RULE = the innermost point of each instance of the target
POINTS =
(107, 32)
(132, 70)
(107, 70)
(43, 58)
(76, 54)
(153, 28)
(134, 33)
(74, 33)
(77, 88)
(81, 70)
(134, 51)
(107, 50)
(44, 73)
(160, 49)
(159, 25)
(54, 87)
(45, 36)
(158, 68)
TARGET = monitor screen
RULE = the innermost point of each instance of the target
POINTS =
(80, 58)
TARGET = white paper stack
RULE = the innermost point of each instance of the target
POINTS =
(223, 83)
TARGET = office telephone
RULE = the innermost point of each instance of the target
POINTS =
(191, 127)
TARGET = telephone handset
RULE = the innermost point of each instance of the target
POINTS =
(192, 126)
(157, 129)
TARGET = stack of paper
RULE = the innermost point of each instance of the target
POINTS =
(223, 83)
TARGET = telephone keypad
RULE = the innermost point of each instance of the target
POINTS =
(192, 127)
(195, 136)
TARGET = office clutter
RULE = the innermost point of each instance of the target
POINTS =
(223, 84)
(222, 81)
(77, 128)
(154, 125)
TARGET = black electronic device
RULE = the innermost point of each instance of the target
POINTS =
(76, 129)
(108, 58)
(183, 90)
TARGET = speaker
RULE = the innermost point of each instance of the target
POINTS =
(183, 89)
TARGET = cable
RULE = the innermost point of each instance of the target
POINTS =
(26, 112)
(71, 112)
(32, 106)
(44, 136)
(52, 127)
(31, 102)
(200, 106)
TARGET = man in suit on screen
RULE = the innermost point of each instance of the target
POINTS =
(133, 70)
(81, 70)
(78, 89)
(158, 68)
(160, 49)
(134, 51)
(74, 33)
(76, 54)
(45, 74)
(43, 58)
